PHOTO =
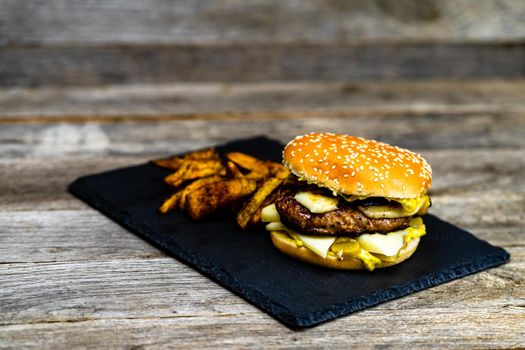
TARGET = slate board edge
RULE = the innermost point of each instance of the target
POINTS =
(274, 308)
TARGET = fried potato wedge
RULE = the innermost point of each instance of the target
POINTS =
(256, 217)
(251, 206)
(204, 154)
(169, 163)
(175, 163)
(255, 175)
(193, 186)
(279, 171)
(232, 170)
(217, 184)
(170, 203)
(249, 163)
(211, 197)
(193, 170)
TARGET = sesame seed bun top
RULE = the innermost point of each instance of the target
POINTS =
(356, 166)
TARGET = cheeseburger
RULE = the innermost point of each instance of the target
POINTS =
(351, 203)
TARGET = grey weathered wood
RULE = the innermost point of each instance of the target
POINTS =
(96, 65)
(67, 235)
(402, 328)
(434, 131)
(152, 300)
(163, 287)
(22, 188)
(270, 21)
(413, 329)
(56, 43)
(142, 101)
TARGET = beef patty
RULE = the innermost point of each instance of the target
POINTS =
(343, 221)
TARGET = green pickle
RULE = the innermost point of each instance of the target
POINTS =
(351, 247)
(347, 245)
(298, 242)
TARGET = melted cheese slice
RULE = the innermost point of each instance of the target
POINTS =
(389, 244)
(320, 245)
(409, 207)
(270, 214)
(316, 203)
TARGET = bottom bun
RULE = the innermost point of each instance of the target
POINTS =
(287, 245)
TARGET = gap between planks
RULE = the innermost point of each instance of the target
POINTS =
(262, 116)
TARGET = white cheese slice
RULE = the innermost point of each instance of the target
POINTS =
(389, 244)
(270, 214)
(318, 244)
(382, 211)
(391, 211)
(277, 226)
(316, 203)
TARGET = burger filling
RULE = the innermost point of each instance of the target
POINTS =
(346, 219)
(372, 229)
(371, 249)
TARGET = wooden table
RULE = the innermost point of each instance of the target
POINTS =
(70, 277)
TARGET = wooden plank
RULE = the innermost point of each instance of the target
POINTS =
(309, 99)
(98, 65)
(153, 299)
(22, 186)
(431, 132)
(270, 21)
(67, 235)
(164, 287)
(410, 329)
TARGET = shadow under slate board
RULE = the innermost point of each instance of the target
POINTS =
(295, 293)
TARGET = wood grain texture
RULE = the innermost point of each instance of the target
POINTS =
(124, 64)
(434, 131)
(413, 329)
(270, 21)
(164, 288)
(74, 43)
(148, 303)
(251, 100)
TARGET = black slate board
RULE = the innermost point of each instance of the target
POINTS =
(297, 294)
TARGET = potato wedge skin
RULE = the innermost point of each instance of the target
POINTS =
(252, 204)
(232, 170)
(211, 197)
(204, 184)
(249, 163)
(256, 217)
(194, 186)
(175, 163)
(194, 169)
(170, 203)
(279, 171)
